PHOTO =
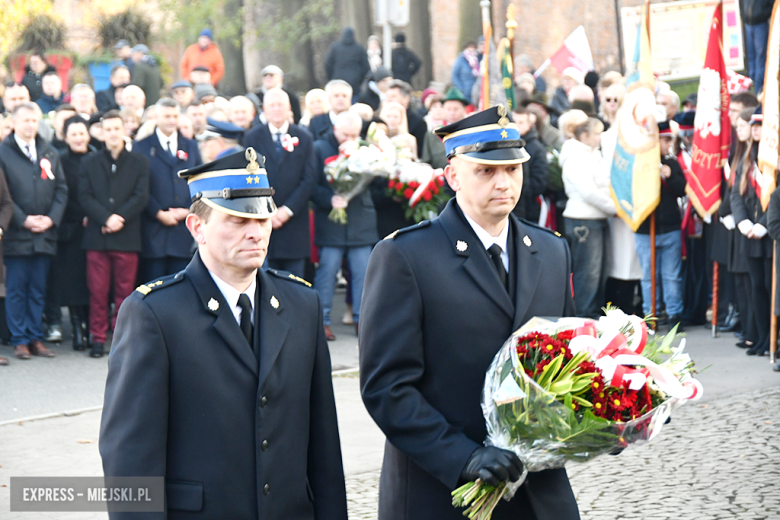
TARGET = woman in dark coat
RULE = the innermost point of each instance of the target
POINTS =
(69, 271)
(737, 263)
(751, 222)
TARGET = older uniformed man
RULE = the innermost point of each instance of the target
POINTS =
(219, 377)
(220, 138)
(440, 298)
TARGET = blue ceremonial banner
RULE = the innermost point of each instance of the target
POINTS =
(635, 173)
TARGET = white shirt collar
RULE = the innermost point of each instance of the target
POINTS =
(283, 129)
(23, 146)
(488, 240)
(332, 115)
(231, 295)
(173, 139)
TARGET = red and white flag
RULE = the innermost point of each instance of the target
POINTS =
(575, 52)
(712, 126)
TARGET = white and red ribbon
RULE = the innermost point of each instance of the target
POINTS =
(289, 142)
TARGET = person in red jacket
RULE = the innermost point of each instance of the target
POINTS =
(204, 53)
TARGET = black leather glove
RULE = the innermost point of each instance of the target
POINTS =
(492, 465)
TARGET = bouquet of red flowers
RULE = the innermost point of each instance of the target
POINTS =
(574, 389)
(421, 188)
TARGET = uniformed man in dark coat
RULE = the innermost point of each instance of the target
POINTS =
(220, 378)
(440, 299)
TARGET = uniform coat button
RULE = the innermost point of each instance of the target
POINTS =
(265, 445)
(263, 401)
(266, 489)
(111, 200)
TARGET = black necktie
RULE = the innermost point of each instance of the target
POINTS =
(495, 254)
(278, 143)
(246, 318)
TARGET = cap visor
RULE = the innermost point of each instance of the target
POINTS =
(246, 207)
(500, 156)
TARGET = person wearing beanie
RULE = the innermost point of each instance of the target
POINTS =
(204, 53)
(405, 62)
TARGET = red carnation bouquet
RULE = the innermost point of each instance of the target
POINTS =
(420, 188)
(575, 389)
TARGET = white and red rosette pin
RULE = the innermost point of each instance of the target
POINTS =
(289, 142)
(46, 172)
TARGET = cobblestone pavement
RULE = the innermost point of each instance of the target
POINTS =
(714, 461)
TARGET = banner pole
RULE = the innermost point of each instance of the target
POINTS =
(773, 322)
(652, 266)
(715, 281)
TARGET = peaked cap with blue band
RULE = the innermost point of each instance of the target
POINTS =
(235, 184)
(487, 137)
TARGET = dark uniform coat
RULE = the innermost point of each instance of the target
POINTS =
(166, 191)
(293, 176)
(434, 315)
(185, 399)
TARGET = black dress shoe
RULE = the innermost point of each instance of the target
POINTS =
(96, 350)
(676, 320)
(758, 350)
(742, 344)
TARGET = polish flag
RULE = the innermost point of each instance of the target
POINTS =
(575, 52)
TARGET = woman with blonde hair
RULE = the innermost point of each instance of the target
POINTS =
(315, 103)
(570, 120)
(611, 100)
(394, 116)
(586, 182)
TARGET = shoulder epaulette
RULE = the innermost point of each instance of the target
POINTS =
(401, 231)
(284, 275)
(540, 228)
(156, 285)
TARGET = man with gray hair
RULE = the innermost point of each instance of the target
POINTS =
(352, 240)
(671, 103)
(340, 99)
(39, 190)
(167, 245)
(292, 171)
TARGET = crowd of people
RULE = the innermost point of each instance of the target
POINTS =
(91, 204)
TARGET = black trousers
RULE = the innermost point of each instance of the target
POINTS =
(742, 297)
(760, 272)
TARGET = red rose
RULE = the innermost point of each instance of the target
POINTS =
(435, 189)
(408, 192)
(440, 181)
(391, 184)
(426, 195)
(414, 185)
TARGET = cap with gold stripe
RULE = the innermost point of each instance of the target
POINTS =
(487, 137)
(236, 184)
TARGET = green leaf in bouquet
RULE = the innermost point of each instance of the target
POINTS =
(561, 387)
(549, 372)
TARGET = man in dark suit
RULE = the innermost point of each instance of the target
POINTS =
(440, 299)
(113, 190)
(401, 92)
(40, 195)
(106, 99)
(289, 155)
(220, 377)
(340, 99)
(167, 245)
